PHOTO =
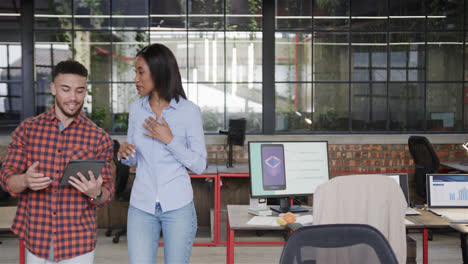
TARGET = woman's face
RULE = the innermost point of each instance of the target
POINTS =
(143, 79)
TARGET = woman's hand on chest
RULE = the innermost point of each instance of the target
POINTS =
(158, 131)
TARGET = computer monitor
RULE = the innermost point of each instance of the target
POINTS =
(447, 190)
(284, 169)
(402, 180)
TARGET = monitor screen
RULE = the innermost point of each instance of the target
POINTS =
(402, 180)
(447, 190)
(283, 169)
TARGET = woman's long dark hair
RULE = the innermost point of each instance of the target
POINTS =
(164, 71)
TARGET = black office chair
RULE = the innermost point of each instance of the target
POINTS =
(122, 193)
(425, 161)
(4, 195)
(333, 243)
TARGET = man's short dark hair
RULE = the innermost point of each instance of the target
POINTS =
(70, 66)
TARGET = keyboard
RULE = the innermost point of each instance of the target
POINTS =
(454, 215)
(411, 211)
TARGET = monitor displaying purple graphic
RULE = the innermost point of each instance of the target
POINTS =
(273, 167)
(285, 169)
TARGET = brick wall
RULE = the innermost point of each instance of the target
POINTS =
(361, 159)
(357, 159)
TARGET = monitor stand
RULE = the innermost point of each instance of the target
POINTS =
(285, 206)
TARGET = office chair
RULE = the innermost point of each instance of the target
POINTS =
(337, 242)
(364, 199)
(425, 161)
(122, 193)
(4, 196)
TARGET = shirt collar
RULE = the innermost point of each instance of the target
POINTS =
(50, 115)
(173, 103)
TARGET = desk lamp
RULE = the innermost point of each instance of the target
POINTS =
(465, 146)
(235, 136)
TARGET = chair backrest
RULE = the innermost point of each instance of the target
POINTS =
(307, 244)
(425, 161)
(364, 199)
(4, 195)
(122, 173)
(423, 154)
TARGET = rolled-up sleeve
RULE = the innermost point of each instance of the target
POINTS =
(16, 158)
(192, 155)
(131, 160)
(105, 152)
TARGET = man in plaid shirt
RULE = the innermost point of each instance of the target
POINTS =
(58, 223)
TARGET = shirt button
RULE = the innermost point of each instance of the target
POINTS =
(59, 150)
(55, 233)
(55, 213)
(57, 171)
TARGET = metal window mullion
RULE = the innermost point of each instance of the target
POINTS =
(463, 67)
(312, 42)
(73, 29)
(10, 103)
(425, 70)
(27, 58)
(224, 67)
(187, 54)
(387, 84)
(111, 71)
(350, 113)
(268, 65)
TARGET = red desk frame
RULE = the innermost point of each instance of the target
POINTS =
(231, 243)
(230, 233)
(216, 217)
(218, 211)
(216, 205)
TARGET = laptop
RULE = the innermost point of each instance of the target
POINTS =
(447, 196)
(402, 180)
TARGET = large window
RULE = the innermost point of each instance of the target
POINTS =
(370, 66)
(218, 45)
(343, 66)
(10, 64)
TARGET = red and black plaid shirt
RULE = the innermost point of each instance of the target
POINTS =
(61, 213)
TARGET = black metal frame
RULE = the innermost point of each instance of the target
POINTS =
(268, 82)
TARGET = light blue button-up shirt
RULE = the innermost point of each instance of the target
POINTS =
(161, 172)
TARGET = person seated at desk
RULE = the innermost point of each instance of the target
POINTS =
(165, 136)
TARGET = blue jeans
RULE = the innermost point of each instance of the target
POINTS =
(143, 229)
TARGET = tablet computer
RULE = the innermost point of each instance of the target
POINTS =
(83, 166)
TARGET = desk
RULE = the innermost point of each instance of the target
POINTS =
(237, 171)
(7, 213)
(458, 165)
(463, 229)
(210, 172)
(237, 218)
(425, 221)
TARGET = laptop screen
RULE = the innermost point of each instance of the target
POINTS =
(447, 190)
(402, 180)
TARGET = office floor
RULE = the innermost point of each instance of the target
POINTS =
(445, 248)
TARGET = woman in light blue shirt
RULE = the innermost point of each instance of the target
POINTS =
(165, 137)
